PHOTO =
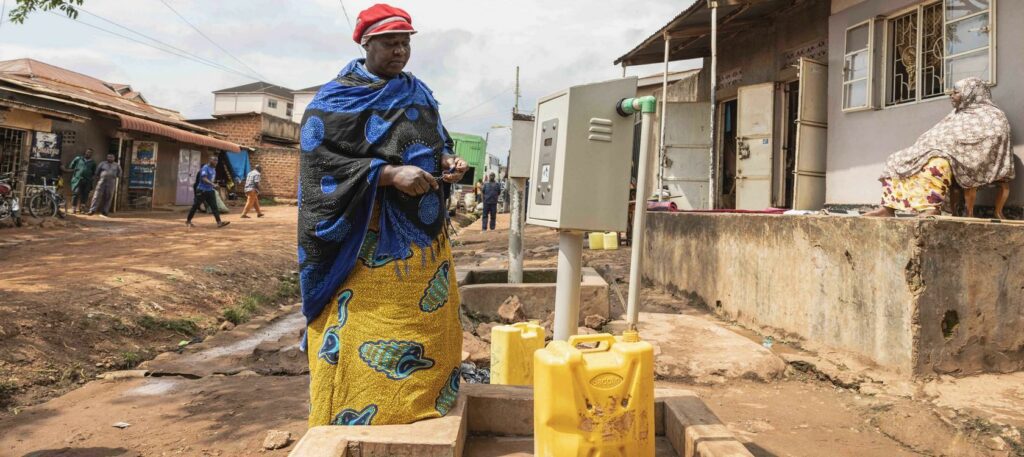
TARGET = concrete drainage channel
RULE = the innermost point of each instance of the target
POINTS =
(493, 421)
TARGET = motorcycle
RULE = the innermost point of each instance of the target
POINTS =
(9, 206)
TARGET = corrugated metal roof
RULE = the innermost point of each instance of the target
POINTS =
(49, 81)
(142, 125)
(307, 90)
(690, 30)
(60, 83)
(259, 87)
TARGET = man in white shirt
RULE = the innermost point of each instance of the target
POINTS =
(252, 192)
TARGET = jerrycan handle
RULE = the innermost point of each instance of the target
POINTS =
(604, 342)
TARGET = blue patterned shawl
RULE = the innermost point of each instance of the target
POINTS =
(355, 125)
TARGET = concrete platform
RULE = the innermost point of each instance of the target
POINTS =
(696, 350)
(492, 421)
(915, 296)
(483, 291)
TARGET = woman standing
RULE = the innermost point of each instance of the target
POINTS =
(971, 145)
(383, 337)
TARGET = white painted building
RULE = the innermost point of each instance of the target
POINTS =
(258, 97)
(302, 98)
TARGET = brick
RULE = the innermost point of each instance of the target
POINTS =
(442, 437)
(696, 431)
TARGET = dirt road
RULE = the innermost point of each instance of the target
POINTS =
(220, 397)
(90, 295)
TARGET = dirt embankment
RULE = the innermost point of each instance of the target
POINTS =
(94, 295)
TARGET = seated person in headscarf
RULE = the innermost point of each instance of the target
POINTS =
(970, 147)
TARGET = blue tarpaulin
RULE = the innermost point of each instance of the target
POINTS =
(240, 166)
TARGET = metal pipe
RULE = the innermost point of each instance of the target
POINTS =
(516, 186)
(567, 288)
(647, 106)
(639, 225)
(713, 162)
(662, 150)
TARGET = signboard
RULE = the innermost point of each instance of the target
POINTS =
(143, 169)
(45, 146)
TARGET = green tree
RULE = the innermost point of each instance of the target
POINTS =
(26, 7)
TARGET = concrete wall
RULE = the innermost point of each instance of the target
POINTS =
(878, 288)
(860, 142)
(250, 103)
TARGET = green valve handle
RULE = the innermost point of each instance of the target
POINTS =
(629, 106)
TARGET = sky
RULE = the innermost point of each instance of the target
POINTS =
(466, 51)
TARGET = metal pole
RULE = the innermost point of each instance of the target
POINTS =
(567, 289)
(639, 225)
(713, 162)
(516, 186)
(662, 150)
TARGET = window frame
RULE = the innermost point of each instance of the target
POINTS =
(991, 48)
(886, 36)
(919, 54)
(272, 103)
(869, 102)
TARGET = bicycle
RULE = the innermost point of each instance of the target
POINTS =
(47, 201)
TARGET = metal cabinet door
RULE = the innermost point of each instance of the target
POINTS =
(811, 136)
(754, 145)
(687, 149)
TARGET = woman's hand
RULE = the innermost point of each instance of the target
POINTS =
(454, 168)
(410, 179)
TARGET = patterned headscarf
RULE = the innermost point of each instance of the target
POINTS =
(974, 138)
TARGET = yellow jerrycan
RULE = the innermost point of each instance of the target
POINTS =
(512, 348)
(594, 402)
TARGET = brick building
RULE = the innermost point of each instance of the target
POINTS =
(272, 143)
(280, 171)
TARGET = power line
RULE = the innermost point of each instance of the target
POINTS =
(349, 21)
(175, 48)
(3, 13)
(200, 32)
(499, 94)
(218, 67)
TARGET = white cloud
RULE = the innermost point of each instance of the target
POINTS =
(466, 51)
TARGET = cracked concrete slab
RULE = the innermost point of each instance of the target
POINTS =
(697, 350)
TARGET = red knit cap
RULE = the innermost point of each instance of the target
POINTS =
(380, 19)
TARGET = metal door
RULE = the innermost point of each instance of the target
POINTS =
(811, 136)
(189, 162)
(686, 167)
(754, 145)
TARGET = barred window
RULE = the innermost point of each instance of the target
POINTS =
(936, 44)
(915, 55)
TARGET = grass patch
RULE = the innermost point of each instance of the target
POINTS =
(236, 315)
(7, 390)
(129, 360)
(267, 202)
(287, 288)
(187, 327)
(252, 302)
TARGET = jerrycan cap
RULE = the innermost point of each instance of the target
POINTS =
(630, 336)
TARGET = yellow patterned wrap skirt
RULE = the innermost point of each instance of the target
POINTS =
(387, 348)
(924, 191)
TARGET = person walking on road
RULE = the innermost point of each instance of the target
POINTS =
(107, 174)
(252, 192)
(82, 168)
(491, 193)
(205, 189)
